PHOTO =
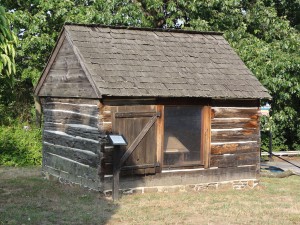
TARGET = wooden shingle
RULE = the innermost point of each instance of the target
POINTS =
(162, 63)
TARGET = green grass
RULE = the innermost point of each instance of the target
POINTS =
(27, 198)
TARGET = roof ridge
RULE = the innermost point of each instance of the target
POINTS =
(146, 28)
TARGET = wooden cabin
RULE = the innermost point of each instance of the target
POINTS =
(184, 101)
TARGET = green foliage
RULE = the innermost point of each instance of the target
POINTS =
(7, 50)
(20, 146)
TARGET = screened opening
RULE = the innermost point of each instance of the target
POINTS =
(182, 136)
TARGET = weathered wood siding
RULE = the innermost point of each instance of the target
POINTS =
(234, 137)
(71, 149)
(66, 77)
(143, 159)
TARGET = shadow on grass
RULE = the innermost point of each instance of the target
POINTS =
(27, 198)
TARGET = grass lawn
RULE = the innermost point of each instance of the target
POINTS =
(26, 198)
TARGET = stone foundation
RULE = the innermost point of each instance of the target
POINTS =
(234, 184)
(245, 177)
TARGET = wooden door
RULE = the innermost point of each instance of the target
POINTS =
(132, 124)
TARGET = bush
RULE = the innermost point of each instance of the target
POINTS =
(20, 145)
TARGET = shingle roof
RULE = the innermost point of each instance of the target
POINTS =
(157, 63)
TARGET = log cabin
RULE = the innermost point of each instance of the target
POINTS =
(184, 101)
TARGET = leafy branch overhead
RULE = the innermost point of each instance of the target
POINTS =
(7, 50)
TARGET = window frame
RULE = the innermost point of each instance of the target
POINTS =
(205, 142)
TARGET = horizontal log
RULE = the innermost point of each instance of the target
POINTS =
(105, 112)
(132, 170)
(63, 139)
(69, 117)
(235, 132)
(105, 126)
(83, 131)
(76, 108)
(234, 113)
(235, 135)
(234, 160)
(223, 161)
(70, 100)
(234, 123)
(234, 139)
(90, 183)
(82, 156)
(105, 117)
(105, 108)
(69, 166)
(234, 148)
(248, 158)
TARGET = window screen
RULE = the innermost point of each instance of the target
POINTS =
(182, 136)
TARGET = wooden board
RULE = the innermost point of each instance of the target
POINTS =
(82, 156)
(206, 136)
(234, 123)
(160, 137)
(66, 77)
(251, 113)
(234, 160)
(70, 117)
(234, 148)
(74, 130)
(65, 165)
(235, 135)
(130, 127)
(61, 138)
(92, 110)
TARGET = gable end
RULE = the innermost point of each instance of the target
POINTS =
(64, 75)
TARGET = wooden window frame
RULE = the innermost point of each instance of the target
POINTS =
(205, 144)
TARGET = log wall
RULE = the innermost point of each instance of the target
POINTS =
(71, 149)
(75, 146)
(234, 137)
